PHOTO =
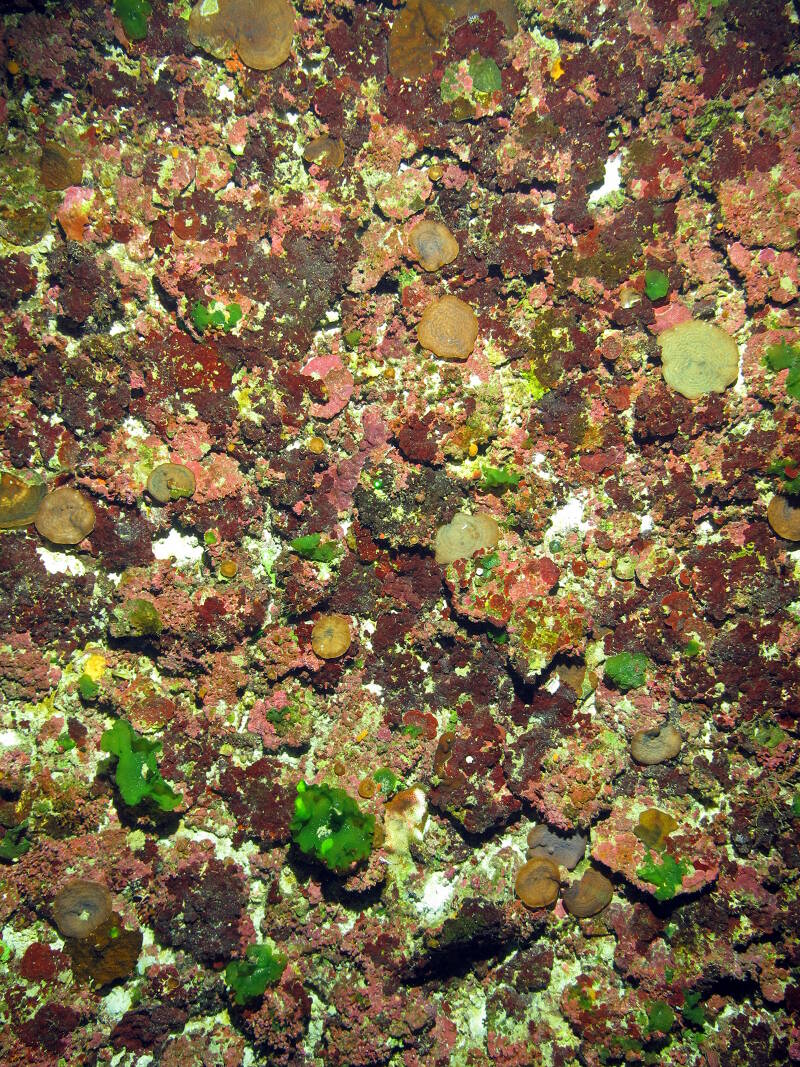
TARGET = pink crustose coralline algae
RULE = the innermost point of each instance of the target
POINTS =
(399, 530)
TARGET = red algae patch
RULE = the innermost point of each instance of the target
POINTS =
(656, 746)
(589, 895)
(81, 907)
(65, 517)
(784, 518)
(537, 883)
(19, 501)
(260, 31)
(432, 245)
(448, 328)
(170, 481)
(698, 358)
(331, 637)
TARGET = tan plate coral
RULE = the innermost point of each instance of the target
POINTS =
(170, 481)
(698, 358)
(464, 536)
(327, 152)
(588, 895)
(80, 907)
(432, 245)
(538, 882)
(260, 31)
(448, 328)
(19, 501)
(331, 637)
(419, 30)
(65, 517)
(784, 518)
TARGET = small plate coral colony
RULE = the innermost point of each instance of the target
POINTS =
(400, 533)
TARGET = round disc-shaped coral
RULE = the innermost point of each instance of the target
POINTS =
(589, 895)
(698, 358)
(65, 517)
(81, 907)
(784, 518)
(331, 637)
(19, 501)
(260, 31)
(418, 30)
(465, 535)
(325, 151)
(448, 328)
(656, 746)
(170, 481)
(432, 245)
(538, 882)
(564, 848)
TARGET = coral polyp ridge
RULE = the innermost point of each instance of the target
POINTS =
(399, 524)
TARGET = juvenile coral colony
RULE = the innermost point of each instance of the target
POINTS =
(399, 533)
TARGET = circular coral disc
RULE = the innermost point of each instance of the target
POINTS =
(65, 517)
(19, 501)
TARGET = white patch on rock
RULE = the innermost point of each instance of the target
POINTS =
(60, 562)
(436, 897)
(186, 551)
(612, 180)
(568, 517)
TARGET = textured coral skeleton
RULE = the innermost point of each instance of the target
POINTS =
(399, 533)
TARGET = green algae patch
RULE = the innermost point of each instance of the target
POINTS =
(784, 356)
(627, 670)
(87, 687)
(656, 284)
(215, 316)
(498, 479)
(667, 876)
(660, 1017)
(137, 775)
(133, 14)
(329, 826)
(15, 844)
(248, 979)
(314, 548)
(136, 618)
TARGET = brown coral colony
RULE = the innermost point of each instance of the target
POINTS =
(538, 882)
(331, 637)
(65, 517)
(432, 245)
(260, 31)
(81, 907)
(448, 328)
